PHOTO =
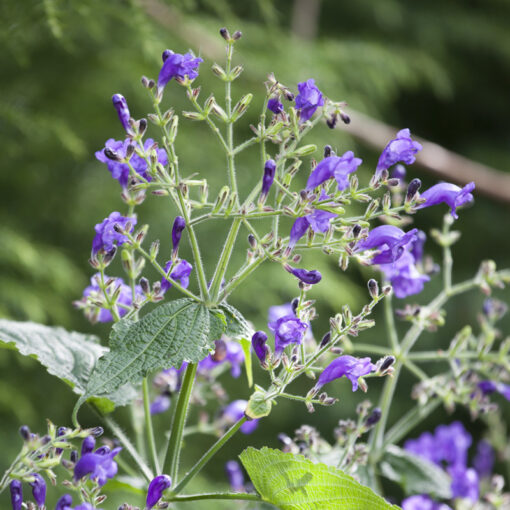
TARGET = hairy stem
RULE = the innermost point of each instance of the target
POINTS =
(148, 427)
(218, 495)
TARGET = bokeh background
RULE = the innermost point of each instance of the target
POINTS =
(440, 68)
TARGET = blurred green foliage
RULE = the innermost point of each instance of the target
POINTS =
(440, 68)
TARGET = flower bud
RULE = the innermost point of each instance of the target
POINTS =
(345, 118)
(156, 488)
(38, 489)
(328, 151)
(413, 187)
(225, 34)
(25, 432)
(373, 417)
(258, 342)
(325, 340)
(237, 35)
(267, 179)
(177, 228)
(252, 241)
(373, 288)
(16, 494)
(386, 363)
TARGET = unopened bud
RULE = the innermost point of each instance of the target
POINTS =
(413, 187)
(331, 121)
(111, 154)
(25, 432)
(225, 33)
(345, 118)
(325, 340)
(327, 151)
(237, 35)
(252, 241)
(142, 126)
(144, 284)
(294, 304)
(373, 288)
(373, 417)
(386, 363)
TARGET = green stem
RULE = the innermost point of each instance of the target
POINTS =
(171, 463)
(208, 455)
(148, 427)
(119, 433)
(230, 125)
(239, 278)
(416, 370)
(376, 349)
(218, 495)
(390, 325)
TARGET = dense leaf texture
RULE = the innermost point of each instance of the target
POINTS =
(292, 482)
(68, 355)
(172, 333)
(414, 474)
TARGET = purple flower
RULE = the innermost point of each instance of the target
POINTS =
(233, 354)
(422, 502)
(234, 412)
(120, 170)
(106, 236)
(88, 445)
(308, 99)
(120, 104)
(298, 230)
(160, 404)
(180, 273)
(353, 368)
(404, 277)
(448, 193)
(390, 241)
(310, 277)
(124, 300)
(278, 311)
(101, 467)
(399, 150)
(274, 105)
(465, 483)
(268, 178)
(235, 476)
(156, 488)
(177, 228)
(16, 490)
(319, 219)
(334, 166)
(179, 66)
(484, 459)
(65, 502)
(38, 489)
(488, 387)
(258, 342)
(287, 329)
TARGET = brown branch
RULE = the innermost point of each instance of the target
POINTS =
(437, 160)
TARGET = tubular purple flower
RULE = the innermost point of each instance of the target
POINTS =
(308, 99)
(258, 342)
(235, 476)
(309, 277)
(298, 230)
(38, 489)
(16, 490)
(180, 273)
(274, 105)
(160, 404)
(390, 240)
(268, 178)
(120, 104)
(234, 411)
(100, 467)
(156, 488)
(106, 236)
(179, 66)
(484, 459)
(353, 368)
(401, 149)
(339, 167)
(287, 329)
(448, 193)
(177, 228)
(88, 445)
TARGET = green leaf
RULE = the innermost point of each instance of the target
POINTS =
(292, 482)
(248, 365)
(415, 474)
(68, 355)
(237, 325)
(258, 406)
(166, 337)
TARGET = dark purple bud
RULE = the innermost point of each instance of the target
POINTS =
(111, 154)
(373, 417)
(328, 151)
(387, 362)
(16, 494)
(258, 342)
(142, 126)
(356, 230)
(120, 104)
(24, 432)
(294, 304)
(373, 288)
(38, 489)
(237, 35)
(268, 178)
(177, 228)
(345, 118)
(274, 105)
(156, 488)
(73, 456)
(252, 241)
(89, 443)
(145, 286)
(331, 121)
(225, 33)
(235, 476)
(325, 340)
(309, 277)
(413, 187)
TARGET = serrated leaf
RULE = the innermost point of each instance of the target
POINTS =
(292, 482)
(66, 354)
(258, 406)
(414, 474)
(237, 325)
(166, 337)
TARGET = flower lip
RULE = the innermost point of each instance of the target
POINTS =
(353, 368)
(401, 149)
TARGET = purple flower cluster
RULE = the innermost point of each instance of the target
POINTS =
(348, 366)
(107, 237)
(124, 299)
(339, 167)
(119, 168)
(448, 448)
(177, 66)
(401, 149)
(308, 99)
(287, 330)
(99, 464)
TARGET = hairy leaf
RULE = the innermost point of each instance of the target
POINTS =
(414, 474)
(237, 325)
(292, 482)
